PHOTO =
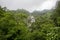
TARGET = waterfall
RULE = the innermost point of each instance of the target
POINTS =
(31, 20)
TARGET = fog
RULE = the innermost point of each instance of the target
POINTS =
(29, 5)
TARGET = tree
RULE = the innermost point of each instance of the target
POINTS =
(56, 14)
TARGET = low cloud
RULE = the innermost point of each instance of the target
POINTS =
(29, 5)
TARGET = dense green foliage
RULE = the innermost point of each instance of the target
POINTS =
(13, 24)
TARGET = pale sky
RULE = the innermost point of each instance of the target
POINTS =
(29, 5)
